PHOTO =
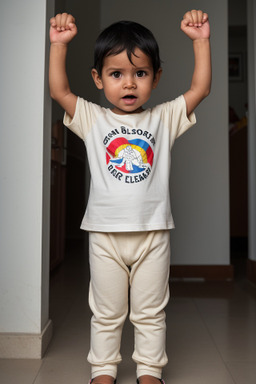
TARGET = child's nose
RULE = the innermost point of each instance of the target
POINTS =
(129, 82)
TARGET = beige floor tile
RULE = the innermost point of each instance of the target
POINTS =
(189, 340)
(235, 337)
(19, 371)
(178, 306)
(243, 373)
(63, 371)
(210, 373)
(73, 345)
(238, 306)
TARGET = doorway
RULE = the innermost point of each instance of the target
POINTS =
(238, 133)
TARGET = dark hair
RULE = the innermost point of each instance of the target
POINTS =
(126, 36)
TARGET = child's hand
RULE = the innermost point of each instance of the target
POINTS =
(195, 25)
(63, 29)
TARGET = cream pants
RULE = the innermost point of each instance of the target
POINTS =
(138, 261)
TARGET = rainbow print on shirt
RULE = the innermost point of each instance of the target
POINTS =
(130, 156)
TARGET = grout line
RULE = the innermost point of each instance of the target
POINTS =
(38, 372)
(214, 342)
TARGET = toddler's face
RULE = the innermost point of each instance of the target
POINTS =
(127, 86)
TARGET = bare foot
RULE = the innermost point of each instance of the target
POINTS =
(103, 379)
(147, 379)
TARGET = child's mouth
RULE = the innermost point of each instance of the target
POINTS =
(129, 99)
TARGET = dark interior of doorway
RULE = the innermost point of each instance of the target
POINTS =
(238, 165)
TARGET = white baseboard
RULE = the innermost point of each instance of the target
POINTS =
(24, 345)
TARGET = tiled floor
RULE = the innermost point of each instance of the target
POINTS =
(211, 333)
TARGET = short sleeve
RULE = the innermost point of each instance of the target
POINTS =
(85, 116)
(174, 114)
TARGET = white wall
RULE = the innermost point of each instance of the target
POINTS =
(80, 52)
(24, 168)
(199, 186)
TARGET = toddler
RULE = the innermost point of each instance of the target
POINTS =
(128, 215)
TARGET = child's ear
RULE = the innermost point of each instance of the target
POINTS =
(157, 78)
(96, 78)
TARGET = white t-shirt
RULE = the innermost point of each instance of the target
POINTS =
(129, 158)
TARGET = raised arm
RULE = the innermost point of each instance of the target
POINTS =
(62, 31)
(195, 24)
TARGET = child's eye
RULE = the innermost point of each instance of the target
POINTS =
(116, 75)
(141, 73)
